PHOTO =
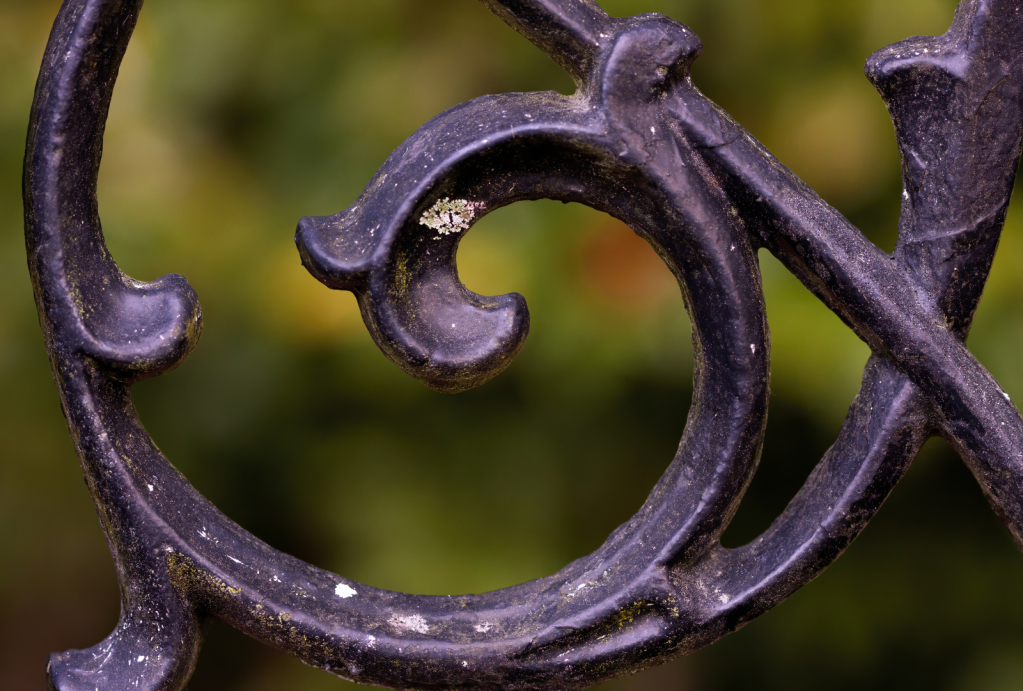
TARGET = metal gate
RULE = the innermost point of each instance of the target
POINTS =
(640, 142)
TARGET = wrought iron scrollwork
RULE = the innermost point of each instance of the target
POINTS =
(640, 142)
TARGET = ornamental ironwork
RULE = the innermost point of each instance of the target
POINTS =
(640, 142)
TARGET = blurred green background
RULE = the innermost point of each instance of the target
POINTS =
(234, 118)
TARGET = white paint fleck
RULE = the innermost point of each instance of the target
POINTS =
(905, 194)
(409, 622)
(753, 348)
(653, 130)
(575, 591)
(450, 215)
(723, 598)
(464, 663)
(1006, 396)
(142, 658)
(485, 627)
(150, 487)
(345, 591)
(372, 641)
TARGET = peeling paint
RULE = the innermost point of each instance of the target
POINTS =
(344, 591)
(409, 622)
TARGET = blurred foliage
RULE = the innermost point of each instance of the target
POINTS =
(232, 119)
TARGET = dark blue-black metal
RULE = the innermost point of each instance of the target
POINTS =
(639, 141)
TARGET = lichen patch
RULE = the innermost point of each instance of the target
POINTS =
(450, 216)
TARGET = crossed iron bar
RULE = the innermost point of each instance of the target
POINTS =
(639, 141)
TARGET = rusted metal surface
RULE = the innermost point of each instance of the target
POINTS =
(639, 141)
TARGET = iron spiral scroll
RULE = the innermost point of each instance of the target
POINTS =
(639, 141)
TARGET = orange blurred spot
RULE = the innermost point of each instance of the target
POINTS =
(620, 268)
